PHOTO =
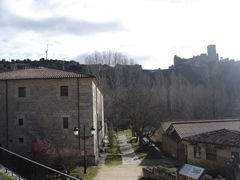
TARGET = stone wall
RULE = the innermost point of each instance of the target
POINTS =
(161, 132)
(98, 116)
(223, 156)
(3, 115)
(158, 173)
(169, 146)
(43, 110)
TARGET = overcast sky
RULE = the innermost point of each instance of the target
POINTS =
(149, 31)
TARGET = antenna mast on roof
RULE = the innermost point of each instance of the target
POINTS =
(63, 62)
(46, 51)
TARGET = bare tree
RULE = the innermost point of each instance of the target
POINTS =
(216, 92)
(111, 69)
(139, 107)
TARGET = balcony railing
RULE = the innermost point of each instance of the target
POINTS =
(29, 169)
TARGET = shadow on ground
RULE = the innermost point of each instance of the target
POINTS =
(155, 158)
(165, 162)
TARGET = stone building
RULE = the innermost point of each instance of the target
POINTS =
(172, 133)
(212, 149)
(49, 103)
(201, 60)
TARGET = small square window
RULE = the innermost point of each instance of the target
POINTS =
(65, 123)
(21, 140)
(22, 92)
(64, 90)
(20, 121)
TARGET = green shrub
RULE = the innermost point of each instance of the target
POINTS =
(207, 177)
(112, 136)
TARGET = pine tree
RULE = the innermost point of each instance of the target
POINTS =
(111, 136)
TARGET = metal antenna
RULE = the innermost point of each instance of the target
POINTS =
(64, 62)
(46, 51)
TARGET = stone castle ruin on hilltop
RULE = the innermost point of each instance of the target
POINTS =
(211, 56)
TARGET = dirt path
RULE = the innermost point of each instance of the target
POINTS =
(121, 172)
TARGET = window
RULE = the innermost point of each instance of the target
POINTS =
(197, 152)
(211, 154)
(64, 90)
(65, 123)
(20, 121)
(21, 140)
(21, 91)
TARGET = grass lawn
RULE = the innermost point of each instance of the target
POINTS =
(91, 172)
(125, 132)
(113, 160)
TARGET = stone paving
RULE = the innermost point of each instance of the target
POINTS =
(129, 157)
(127, 153)
(102, 159)
(131, 167)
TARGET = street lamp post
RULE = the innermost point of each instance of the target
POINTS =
(75, 131)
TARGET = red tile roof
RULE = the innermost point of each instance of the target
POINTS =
(220, 137)
(190, 128)
(167, 124)
(41, 73)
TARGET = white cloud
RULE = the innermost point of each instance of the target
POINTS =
(150, 31)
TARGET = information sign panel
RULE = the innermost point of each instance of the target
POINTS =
(191, 171)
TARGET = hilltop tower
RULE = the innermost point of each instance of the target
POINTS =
(199, 60)
(212, 54)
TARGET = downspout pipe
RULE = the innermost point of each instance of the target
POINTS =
(6, 113)
(78, 96)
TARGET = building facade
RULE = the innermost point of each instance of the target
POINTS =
(49, 103)
(213, 149)
(175, 131)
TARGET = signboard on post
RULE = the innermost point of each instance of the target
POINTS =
(192, 172)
